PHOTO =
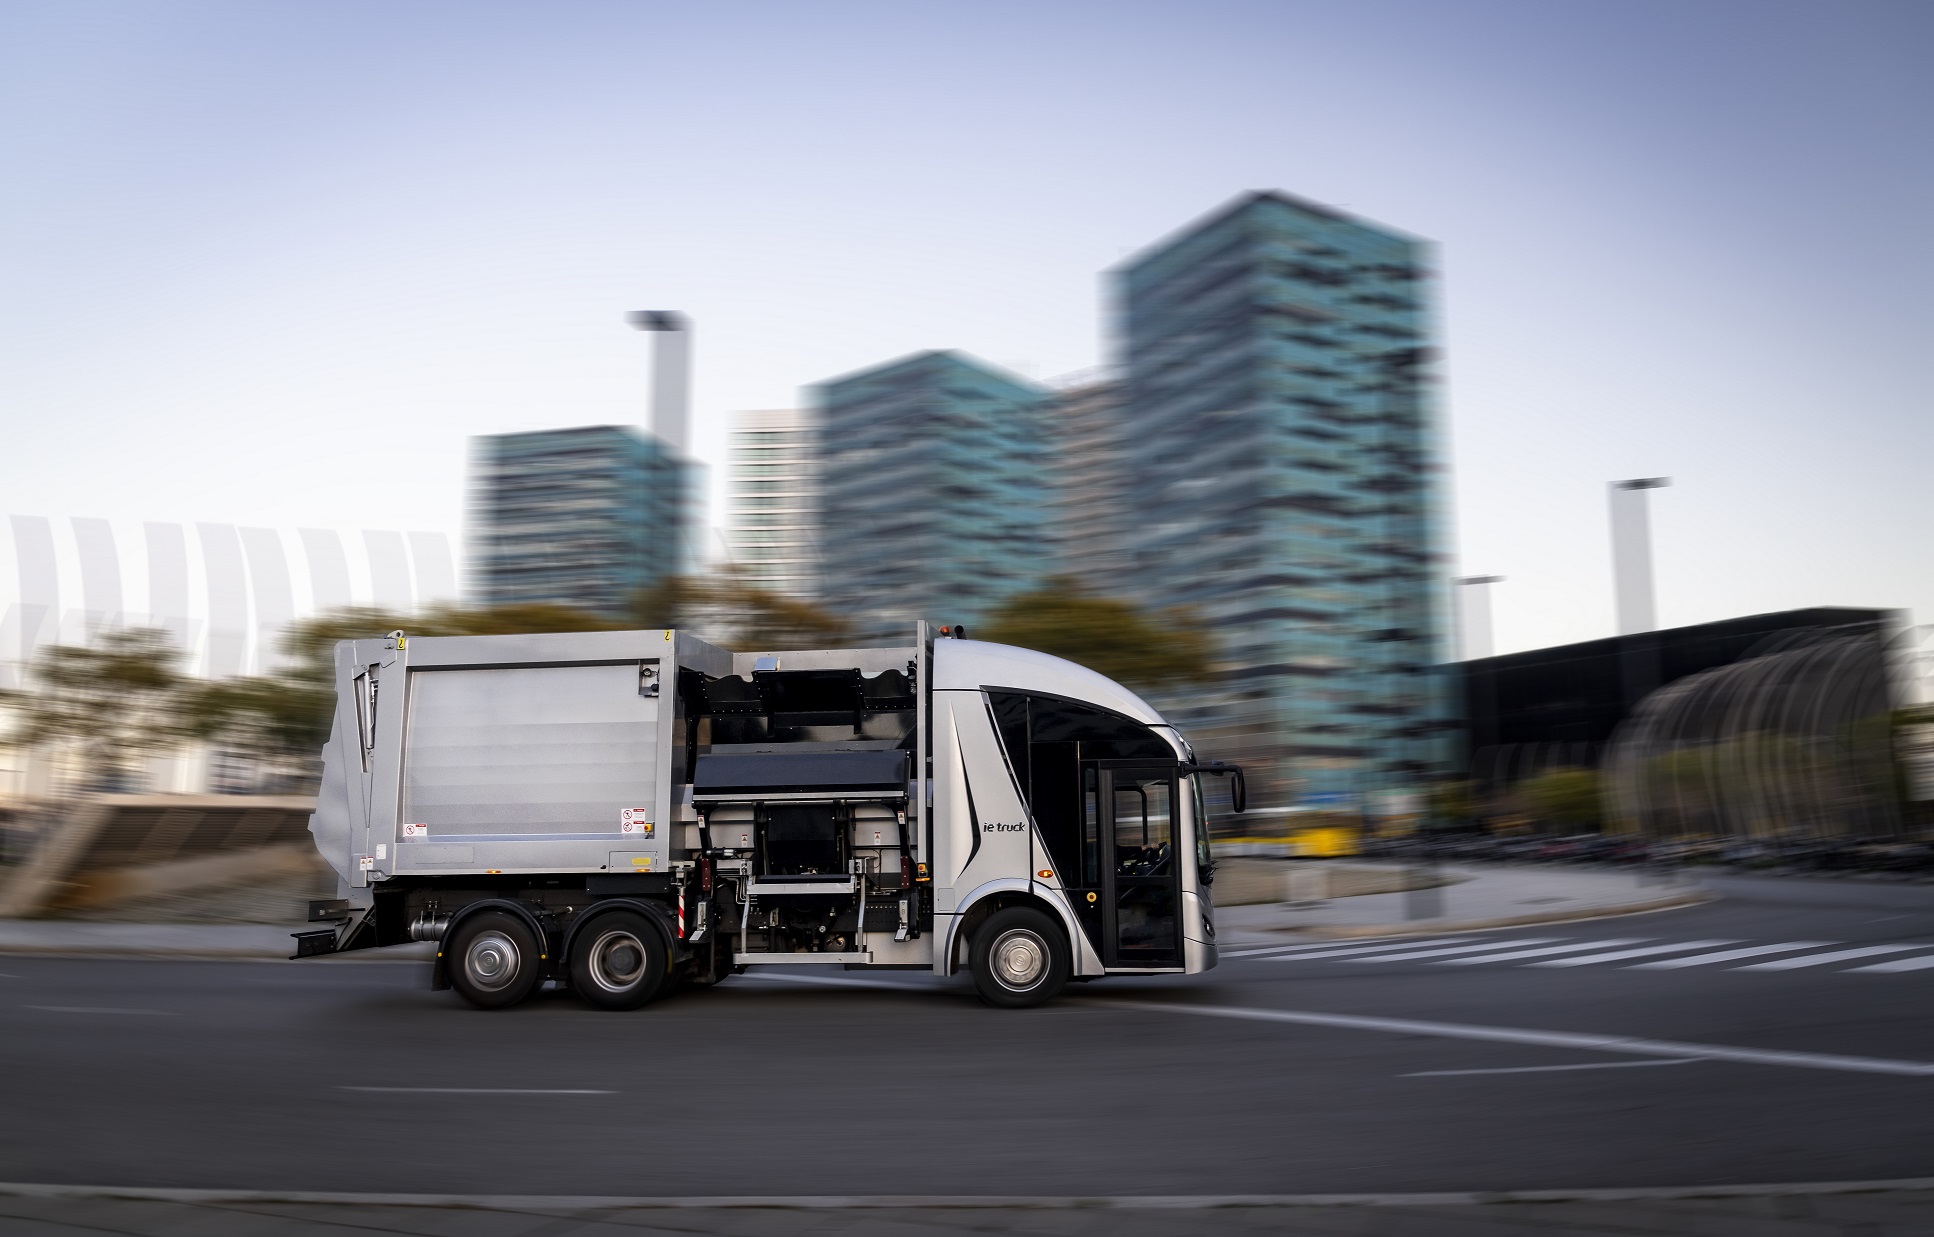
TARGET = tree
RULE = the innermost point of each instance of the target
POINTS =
(279, 723)
(111, 703)
(738, 614)
(284, 718)
(1568, 798)
(1106, 634)
(1454, 802)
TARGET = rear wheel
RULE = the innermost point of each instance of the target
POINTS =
(1019, 958)
(618, 962)
(493, 960)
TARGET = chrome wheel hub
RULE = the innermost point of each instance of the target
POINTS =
(1020, 959)
(617, 961)
(492, 961)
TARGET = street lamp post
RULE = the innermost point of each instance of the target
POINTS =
(1638, 617)
(1632, 554)
(671, 373)
(671, 388)
(1476, 615)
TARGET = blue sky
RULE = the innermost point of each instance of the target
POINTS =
(274, 264)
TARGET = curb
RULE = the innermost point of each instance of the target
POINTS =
(185, 953)
(936, 1202)
(1432, 927)
(1670, 903)
(105, 951)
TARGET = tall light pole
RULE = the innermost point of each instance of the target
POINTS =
(671, 373)
(1476, 615)
(1632, 554)
(671, 394)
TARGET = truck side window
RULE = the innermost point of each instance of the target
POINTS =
(1204, 857)
(1046, 739)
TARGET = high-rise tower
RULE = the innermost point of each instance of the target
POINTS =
(932, 490)
(1278, 445)
(581, 517)
(775, 501)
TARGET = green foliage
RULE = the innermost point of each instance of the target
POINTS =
(1567, 798)
(111, 704)
(280, 722)
(1454, 802)
(737, 614)
(1106, 634)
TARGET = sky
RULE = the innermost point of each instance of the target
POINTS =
(276, 264)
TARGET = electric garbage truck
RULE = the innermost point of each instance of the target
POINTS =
(623, 811)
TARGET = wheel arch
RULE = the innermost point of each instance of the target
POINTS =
(440, 972)
(654, 914)
(997, 895)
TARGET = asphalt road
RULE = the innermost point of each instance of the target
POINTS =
(1277, 1073)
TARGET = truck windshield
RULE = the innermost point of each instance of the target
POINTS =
(1204, 859)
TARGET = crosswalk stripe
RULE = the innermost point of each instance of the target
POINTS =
(1362, 949)
(1461, 949)
(1464, 951)
(1619, 955)
(1727, 955)
(1539, 953)
(1788, 964)
(1898, 964)
(1290, 950)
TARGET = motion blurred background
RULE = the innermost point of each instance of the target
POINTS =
(1316, 370)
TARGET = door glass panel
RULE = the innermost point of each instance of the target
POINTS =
(1143, 834)
(1145, 918)
(1144, 827)
(1090, 830)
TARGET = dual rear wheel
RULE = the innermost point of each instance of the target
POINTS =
(618, 960)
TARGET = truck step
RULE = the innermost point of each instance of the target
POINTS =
(800, 885)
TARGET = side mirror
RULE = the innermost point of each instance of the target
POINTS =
(1238, 785)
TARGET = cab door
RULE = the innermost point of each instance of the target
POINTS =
(1133, 828)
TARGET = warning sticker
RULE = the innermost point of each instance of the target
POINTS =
(635, 820)
(641, 863)
(366, 863)
(416, 831)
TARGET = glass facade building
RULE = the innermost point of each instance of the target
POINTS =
(580, 517)
(775, 502)
(1089, 517)
(1278, 448)
(933, 492)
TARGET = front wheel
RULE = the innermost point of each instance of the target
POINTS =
(1019, 958)
(618, 961)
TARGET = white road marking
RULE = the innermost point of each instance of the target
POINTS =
(102, 1009)
(1297, 949)
(1348, 951)
(1461, 949)
(1514, 955)
(1620, 1044)
(1838, 955)
(1550, 1069)
(1620, 955)
(1898, 964)
(1727, 955)
(481, 1090)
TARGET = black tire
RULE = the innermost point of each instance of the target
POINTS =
(1019, 958)
(493, 960)
(618, 961)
